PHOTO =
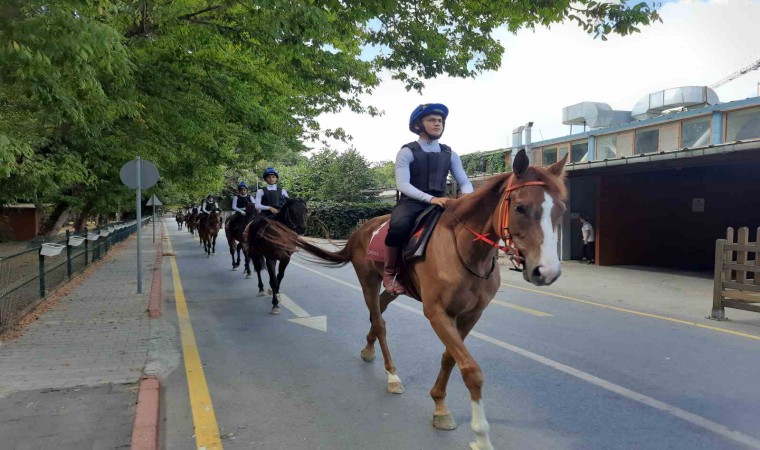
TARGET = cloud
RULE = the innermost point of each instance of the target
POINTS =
(699, 43)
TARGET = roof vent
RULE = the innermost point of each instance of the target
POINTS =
(656, 103)
(594, 115)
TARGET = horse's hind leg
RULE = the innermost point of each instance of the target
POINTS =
(273, 283)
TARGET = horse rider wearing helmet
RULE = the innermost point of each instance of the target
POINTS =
(209, 204)
(272, 197)
(242, 199)
(422, 168)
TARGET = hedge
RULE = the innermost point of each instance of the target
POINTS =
(341, 218)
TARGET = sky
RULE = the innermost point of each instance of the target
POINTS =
(543, 71)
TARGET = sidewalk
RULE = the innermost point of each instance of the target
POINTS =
(70, 381)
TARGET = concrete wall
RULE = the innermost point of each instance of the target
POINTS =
(648, 218)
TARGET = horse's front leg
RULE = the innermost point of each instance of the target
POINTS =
(451, 331)
(213, 245)
(234, 246)
(281, 272)
(273, 283)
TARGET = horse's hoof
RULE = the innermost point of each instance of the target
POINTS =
(275, 310)
(368, 355)
(260, 294)
(269, 291)
(475, 446)
(395, 387)
(234, 269)
(444, 422)
(248, 276)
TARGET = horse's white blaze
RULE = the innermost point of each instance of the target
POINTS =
(480, 427)
(549, 260)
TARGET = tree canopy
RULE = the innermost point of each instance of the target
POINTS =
(202, 88)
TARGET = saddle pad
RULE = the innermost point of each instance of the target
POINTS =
(415, 245)
(376, 250)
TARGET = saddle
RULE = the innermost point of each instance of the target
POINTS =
(415, 245)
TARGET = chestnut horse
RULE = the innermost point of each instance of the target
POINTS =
(260, 248)
(456, 279)
(208, 229)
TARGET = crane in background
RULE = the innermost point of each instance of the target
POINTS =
(748, 68)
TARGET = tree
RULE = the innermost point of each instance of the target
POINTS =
(199, 86)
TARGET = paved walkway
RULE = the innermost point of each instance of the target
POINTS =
(69, 382)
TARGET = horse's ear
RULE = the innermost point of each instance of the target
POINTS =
(521, 163)
(558, 167)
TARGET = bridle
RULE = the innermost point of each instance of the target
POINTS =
(503, 231)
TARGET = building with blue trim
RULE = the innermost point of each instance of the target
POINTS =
(659, 190)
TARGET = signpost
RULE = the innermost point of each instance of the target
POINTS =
(139, 174)
(154, 201)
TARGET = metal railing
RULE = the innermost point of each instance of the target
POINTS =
(26, 277)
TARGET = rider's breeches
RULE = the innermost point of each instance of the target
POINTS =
(403, 216)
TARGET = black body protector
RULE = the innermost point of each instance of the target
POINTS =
(272, 198)
(242, 202)
(428, 172)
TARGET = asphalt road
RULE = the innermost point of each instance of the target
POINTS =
(558, 374)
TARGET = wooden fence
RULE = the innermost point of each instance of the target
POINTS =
(737, 273)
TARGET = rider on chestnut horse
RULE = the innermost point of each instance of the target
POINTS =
(421, 171)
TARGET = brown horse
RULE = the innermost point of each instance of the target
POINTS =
(260, 248)
(233, 230)
(208, 229)
(180, 220)
(456, 280)
(192, 222)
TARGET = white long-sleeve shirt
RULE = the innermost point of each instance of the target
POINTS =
(588, 232)
(405, 157)
(235, 206)
(260, 195)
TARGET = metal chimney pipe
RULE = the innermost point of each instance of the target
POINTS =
(528, 141)
(517, 137)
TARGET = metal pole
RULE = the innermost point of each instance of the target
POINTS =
(68, 255)
(139, 225)
(86, 245)
(42, 276)
(154, 221)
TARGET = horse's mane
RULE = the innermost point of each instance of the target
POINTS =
(494, 187)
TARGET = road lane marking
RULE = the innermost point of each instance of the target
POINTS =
(596, 381)
(204, 420)
(638, 313)
(302, 317)
(535, 312)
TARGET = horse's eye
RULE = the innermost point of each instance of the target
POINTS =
(520, 209)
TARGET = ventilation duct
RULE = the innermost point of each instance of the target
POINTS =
(656, 103)
(594, 115)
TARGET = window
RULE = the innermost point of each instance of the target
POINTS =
(696, 132)
(578, 152)
(647, 141)
(741, 125)
(606, 147)
(550, 156)
(562, 152)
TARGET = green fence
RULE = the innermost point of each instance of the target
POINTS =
(27, 276)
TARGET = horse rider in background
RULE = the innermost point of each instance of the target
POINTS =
(270, 198)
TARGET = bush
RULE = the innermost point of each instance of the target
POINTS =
(341, 218)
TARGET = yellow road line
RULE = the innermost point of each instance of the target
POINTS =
(204, 419)
(535, 312)
(638, 313)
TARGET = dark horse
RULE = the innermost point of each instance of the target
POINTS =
(192, 222)
(456, 280)
(180, 220)
(233, 230)
(259, 248)
(208, 229)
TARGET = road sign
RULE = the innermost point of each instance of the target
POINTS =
(148, 174)
(154, 201)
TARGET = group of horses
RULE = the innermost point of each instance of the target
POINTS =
(455, 280)
(206, 224)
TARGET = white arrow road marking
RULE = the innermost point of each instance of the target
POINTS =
(303, 318)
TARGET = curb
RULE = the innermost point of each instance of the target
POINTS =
(154, 304)
(146, 424)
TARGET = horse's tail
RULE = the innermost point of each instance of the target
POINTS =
(279, 234)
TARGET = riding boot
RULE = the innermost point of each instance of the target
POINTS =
(390, 271)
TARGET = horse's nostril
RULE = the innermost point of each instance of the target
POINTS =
(537, 272)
